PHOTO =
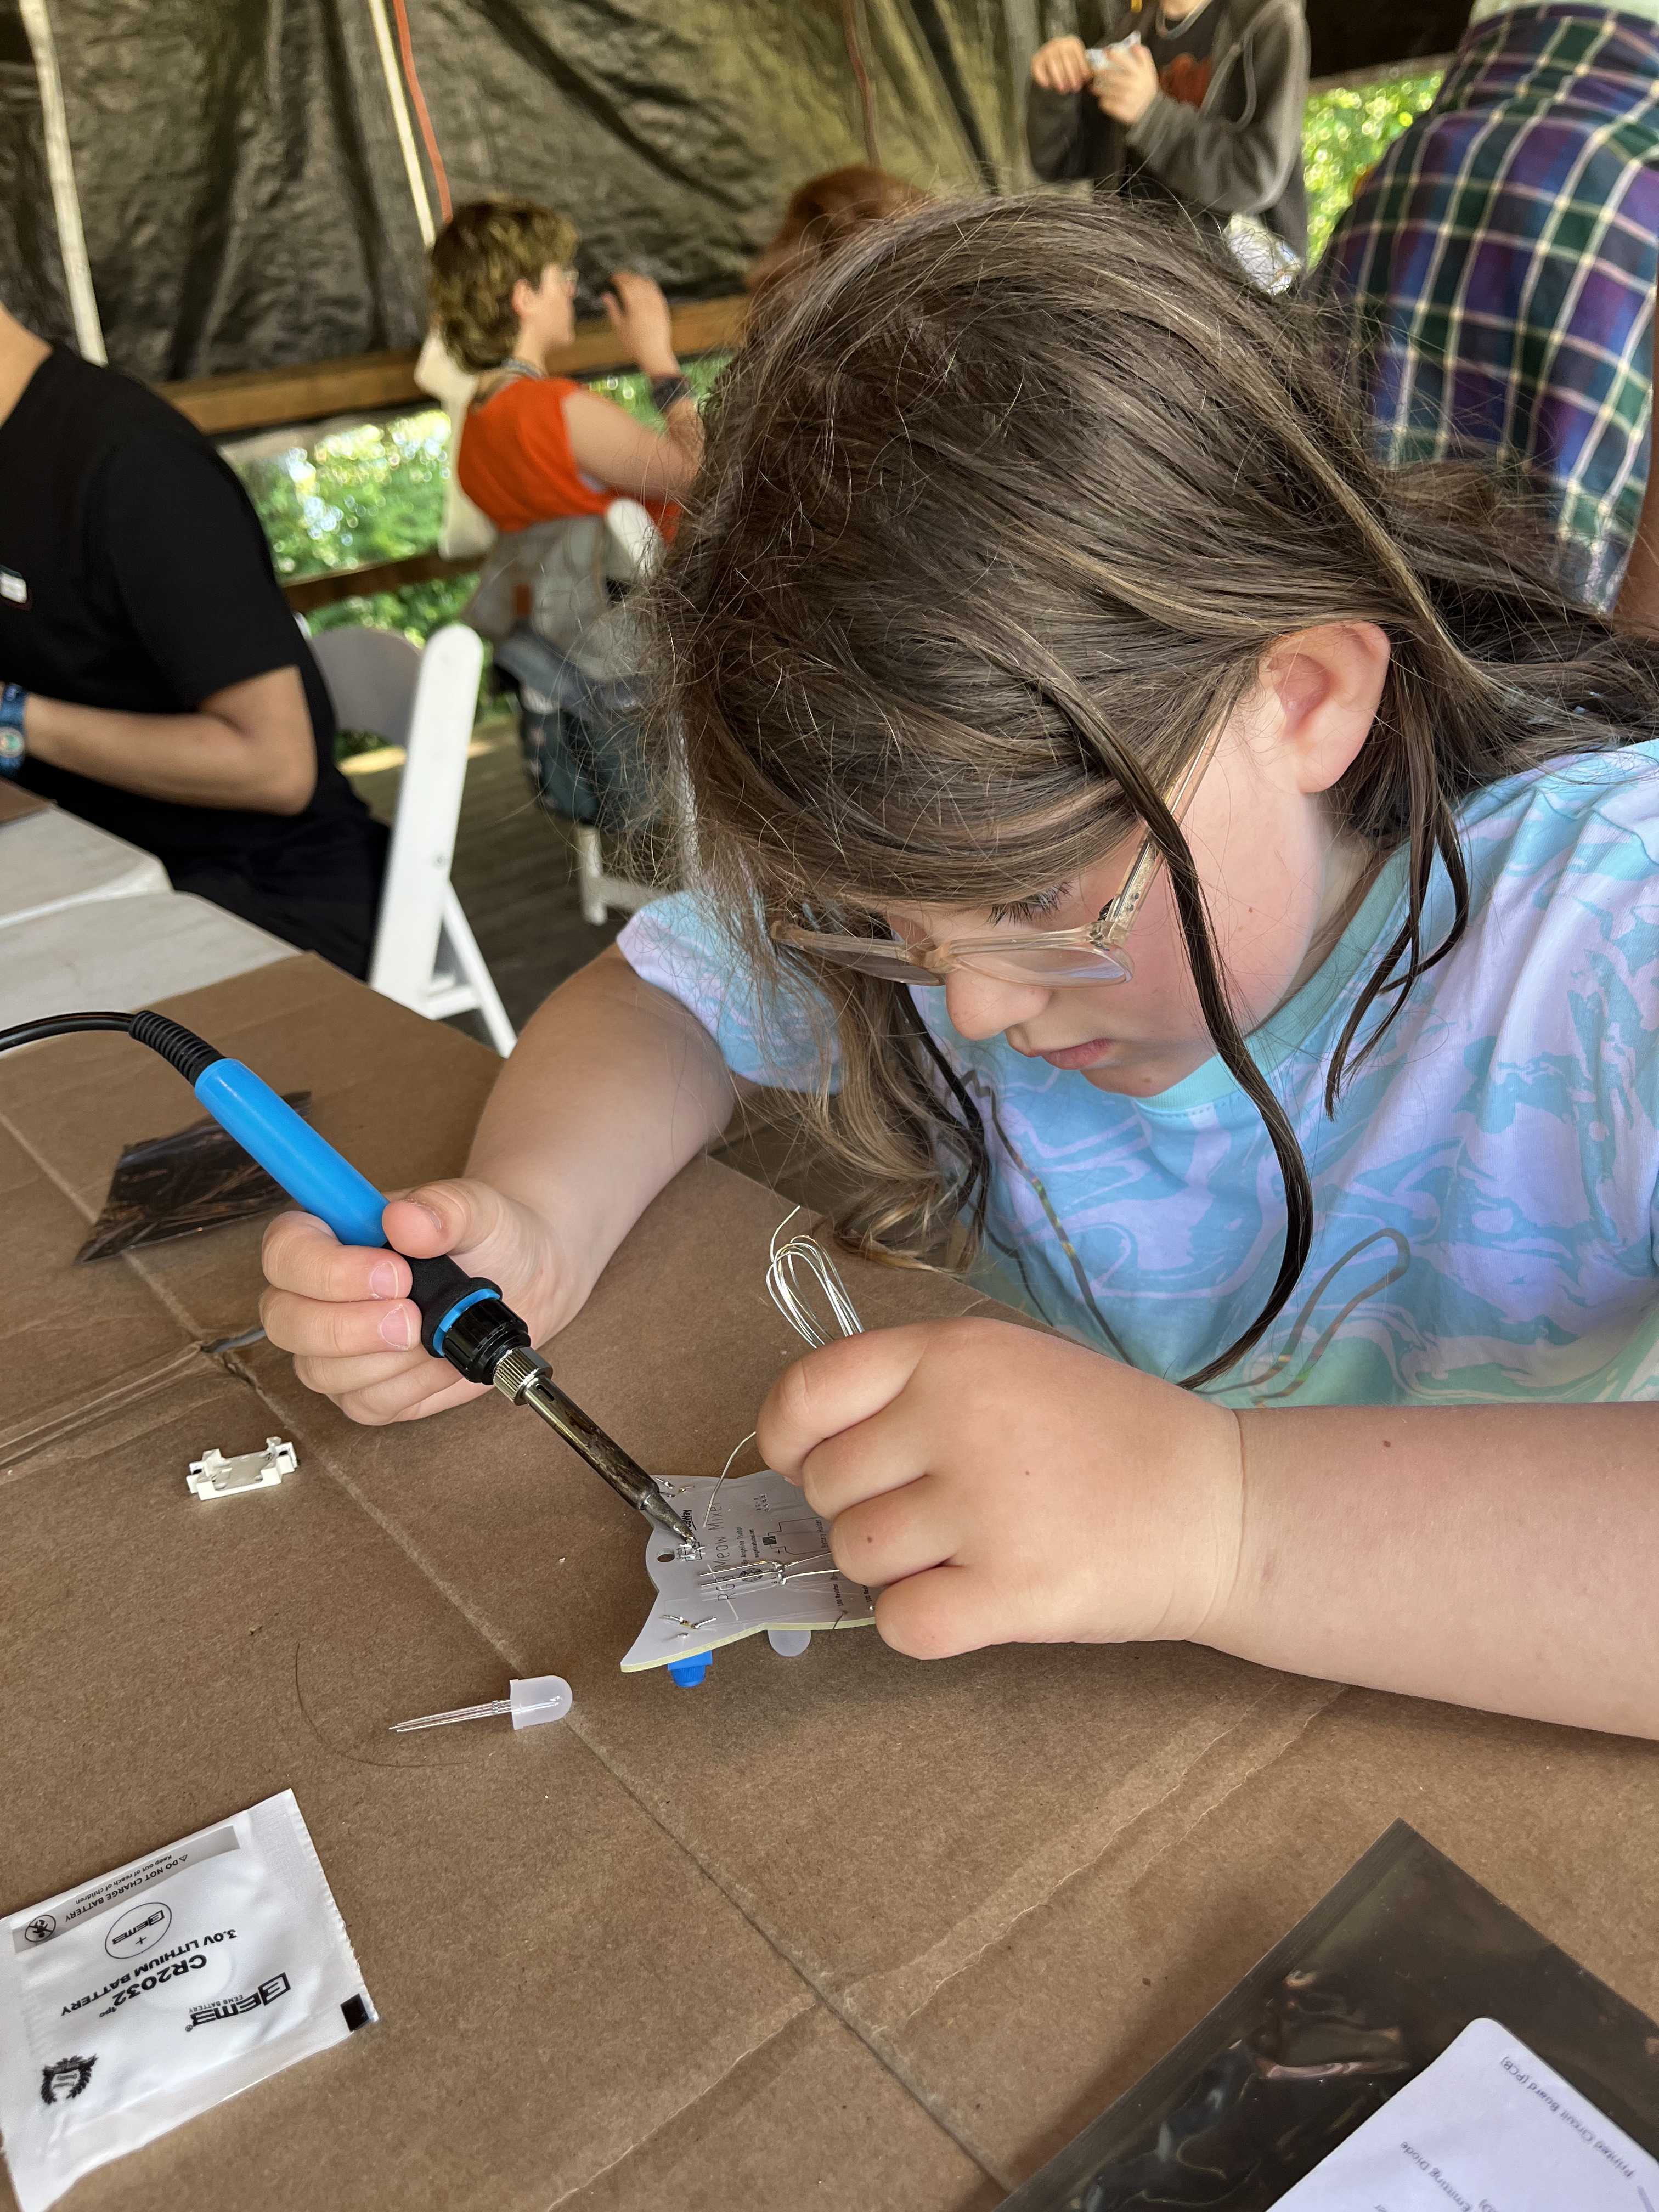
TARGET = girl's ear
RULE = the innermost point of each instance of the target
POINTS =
(1322, 688)
(523, 298)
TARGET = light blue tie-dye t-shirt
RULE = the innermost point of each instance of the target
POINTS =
(1484, 1195)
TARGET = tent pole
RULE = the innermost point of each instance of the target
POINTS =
(60, 168)
(394, 86)
(849, 25)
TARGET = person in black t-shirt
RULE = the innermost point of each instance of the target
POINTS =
(147, 658)
(1198, 102)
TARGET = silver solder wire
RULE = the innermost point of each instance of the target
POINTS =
(782, 1261)
(804, 1256)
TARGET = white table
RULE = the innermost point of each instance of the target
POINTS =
(122, 953)
(52, 860)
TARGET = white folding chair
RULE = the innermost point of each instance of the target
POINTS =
(425, 954)
(633, 546)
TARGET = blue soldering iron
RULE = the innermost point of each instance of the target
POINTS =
(464, 1319)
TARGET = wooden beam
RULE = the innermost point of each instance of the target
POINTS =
(260, 398)
(267, 399)
(305, 594)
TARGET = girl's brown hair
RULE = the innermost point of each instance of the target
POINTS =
(477, 257)
(997, 521)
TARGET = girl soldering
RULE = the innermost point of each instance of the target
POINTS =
(1066, 700)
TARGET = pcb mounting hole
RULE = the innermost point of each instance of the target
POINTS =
(666, 1558)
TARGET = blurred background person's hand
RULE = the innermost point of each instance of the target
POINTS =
(1125, 84)
(1061, 66)
(639, 316)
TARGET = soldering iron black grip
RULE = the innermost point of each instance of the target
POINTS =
(438, 1287)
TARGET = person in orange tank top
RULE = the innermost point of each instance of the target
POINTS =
(535, 447)
(544, 459)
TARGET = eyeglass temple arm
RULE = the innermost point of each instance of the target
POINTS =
(1139, 881)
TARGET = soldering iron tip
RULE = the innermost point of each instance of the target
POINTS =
(681, 1527)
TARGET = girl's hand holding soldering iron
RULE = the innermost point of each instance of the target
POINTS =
(344, 1310)
(612, 1088)
(999, 1486)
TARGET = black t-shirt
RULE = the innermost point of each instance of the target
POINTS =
(134, 574)
(1182, 55)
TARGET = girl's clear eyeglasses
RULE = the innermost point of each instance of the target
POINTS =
(1092, 954)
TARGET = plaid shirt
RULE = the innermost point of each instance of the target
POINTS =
(1497, 272)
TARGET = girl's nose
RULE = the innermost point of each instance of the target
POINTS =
(981, 1007)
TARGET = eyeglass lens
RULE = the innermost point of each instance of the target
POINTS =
(1044, 965)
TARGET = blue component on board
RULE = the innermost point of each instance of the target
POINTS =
(307, 1165)
(690, 1671)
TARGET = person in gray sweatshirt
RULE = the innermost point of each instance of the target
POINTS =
(1196, 101)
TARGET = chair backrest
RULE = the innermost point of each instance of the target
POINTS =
(371, 676)
(428, 808)
(425, 701)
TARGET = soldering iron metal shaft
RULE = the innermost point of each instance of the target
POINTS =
(523, 1377)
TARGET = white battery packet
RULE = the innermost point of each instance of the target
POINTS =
(139, 2000)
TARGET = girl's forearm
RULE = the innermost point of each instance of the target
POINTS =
(1496, 1556)
(612, 1088)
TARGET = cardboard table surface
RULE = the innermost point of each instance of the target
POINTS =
(845, 1929)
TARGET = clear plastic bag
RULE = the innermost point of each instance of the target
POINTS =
(1370, 1988)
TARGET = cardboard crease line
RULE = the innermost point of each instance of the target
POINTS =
(698, 2097)
(63, 1423)
(1280, 1716)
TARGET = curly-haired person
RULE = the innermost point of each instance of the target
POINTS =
(537, 447)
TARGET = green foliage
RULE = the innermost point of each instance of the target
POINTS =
(417, 610)
(372, 493)
(1344, 134)
(376, 493)
(633, 390)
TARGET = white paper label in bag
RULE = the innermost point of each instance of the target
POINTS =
(1488, 2128)
(139, 2000)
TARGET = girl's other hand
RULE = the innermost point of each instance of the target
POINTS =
(345, 1314)
(1061, 66)
(1002, 1486)
(642, 319)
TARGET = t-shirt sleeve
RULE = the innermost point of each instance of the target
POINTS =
(775, 1037)
(188, 559)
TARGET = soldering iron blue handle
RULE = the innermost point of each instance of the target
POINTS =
(291, 1152)
(312, 1172)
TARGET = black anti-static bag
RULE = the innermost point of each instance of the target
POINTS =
(198, 1178)
(1384, 1973)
